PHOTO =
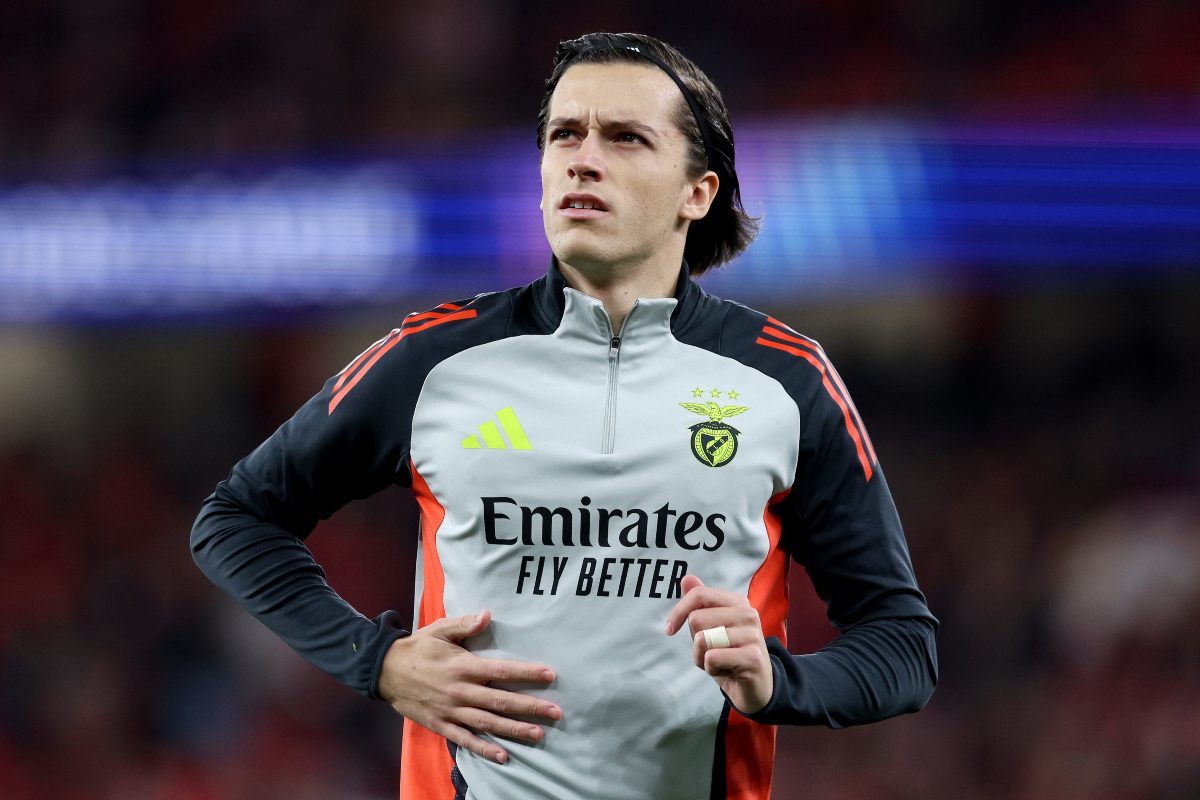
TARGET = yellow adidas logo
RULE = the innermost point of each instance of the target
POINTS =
(492, 439)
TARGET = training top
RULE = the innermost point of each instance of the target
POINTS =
(568, 479)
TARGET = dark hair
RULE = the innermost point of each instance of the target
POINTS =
(727, 229)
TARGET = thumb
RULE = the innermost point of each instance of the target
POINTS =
(459, 628)
(690, 582)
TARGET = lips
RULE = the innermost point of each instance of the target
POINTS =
(582, 206)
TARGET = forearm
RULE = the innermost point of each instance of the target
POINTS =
(271, 574)
(873, 671)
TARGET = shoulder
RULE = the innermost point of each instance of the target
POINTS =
(405, 355)
(761, 342)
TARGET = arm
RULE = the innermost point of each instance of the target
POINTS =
(839, 521)
(249, 536)
(249, 540)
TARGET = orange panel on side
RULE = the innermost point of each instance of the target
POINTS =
(749, 746)
(425, 765)
(425, 761)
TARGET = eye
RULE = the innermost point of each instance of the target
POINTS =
(560, 134)
(629, 137)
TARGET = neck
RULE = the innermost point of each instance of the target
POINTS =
(619, 288)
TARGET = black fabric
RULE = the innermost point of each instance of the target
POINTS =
(843, 528)
(874, 671)
(456, 778)
(248, 538)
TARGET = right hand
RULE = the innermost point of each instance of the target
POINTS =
(438, 684)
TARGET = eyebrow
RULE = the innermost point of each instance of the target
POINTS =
(619, 124)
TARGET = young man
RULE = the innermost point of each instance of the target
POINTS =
(586, 492)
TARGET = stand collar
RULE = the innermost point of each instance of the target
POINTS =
(550, 300)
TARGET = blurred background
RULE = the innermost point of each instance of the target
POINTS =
(988, 212)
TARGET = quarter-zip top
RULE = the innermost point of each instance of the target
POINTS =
(567, 476)
(602, 516)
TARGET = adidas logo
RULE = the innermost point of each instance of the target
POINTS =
(491, 437)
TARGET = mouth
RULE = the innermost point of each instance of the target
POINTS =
(582, 206)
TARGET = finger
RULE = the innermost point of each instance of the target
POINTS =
(729, 616)
(503, 702)
(487, 722)
(738, 637)
(701, 597)
(465, 739)
(686, 603)
(494, 669)
(458, 628)
(730, 659)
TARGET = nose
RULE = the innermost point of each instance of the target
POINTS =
(587, 162)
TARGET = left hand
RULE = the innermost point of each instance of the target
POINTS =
(742, 670)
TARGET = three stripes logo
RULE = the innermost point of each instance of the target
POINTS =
(780, 337)
(489, 434)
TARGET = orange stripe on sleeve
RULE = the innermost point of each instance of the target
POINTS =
(353, 365)
(863, 428)
(851, 428)
(787, 338)
(337, 398)
(426, 315)
(779, 324)
(816, 348)
(425, 761)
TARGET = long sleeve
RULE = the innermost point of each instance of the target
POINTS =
(872, 672)
(249, 536)
(840, 523)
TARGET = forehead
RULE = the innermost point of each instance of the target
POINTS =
(620, 90)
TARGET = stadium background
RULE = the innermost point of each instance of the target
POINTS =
(988, 212)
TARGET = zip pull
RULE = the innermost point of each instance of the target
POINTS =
(614, 346)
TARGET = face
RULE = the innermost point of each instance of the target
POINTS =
(615, 189)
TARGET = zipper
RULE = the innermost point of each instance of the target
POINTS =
(609, 441)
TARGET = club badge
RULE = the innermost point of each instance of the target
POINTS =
(714, 443)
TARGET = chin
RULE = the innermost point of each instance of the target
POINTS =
(583, 251)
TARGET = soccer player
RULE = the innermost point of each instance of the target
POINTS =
(602, 458)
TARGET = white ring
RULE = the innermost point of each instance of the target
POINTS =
(716, 637)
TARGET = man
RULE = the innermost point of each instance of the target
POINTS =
(586, 490)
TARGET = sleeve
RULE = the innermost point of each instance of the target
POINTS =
(249, 536)
(840, 523)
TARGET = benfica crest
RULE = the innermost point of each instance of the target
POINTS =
(714, 443)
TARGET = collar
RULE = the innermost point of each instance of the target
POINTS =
(550, 300)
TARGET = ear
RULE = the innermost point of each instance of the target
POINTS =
(704, 191)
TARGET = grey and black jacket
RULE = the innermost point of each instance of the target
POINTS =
(568, 479)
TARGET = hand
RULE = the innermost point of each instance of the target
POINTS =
(742, 670)
(433, 681)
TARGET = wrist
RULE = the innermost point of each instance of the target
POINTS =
(387, 675)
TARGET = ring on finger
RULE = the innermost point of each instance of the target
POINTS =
(716, 637)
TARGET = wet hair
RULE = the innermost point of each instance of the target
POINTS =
(727, 229)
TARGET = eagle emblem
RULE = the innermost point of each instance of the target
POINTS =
(714, 443)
